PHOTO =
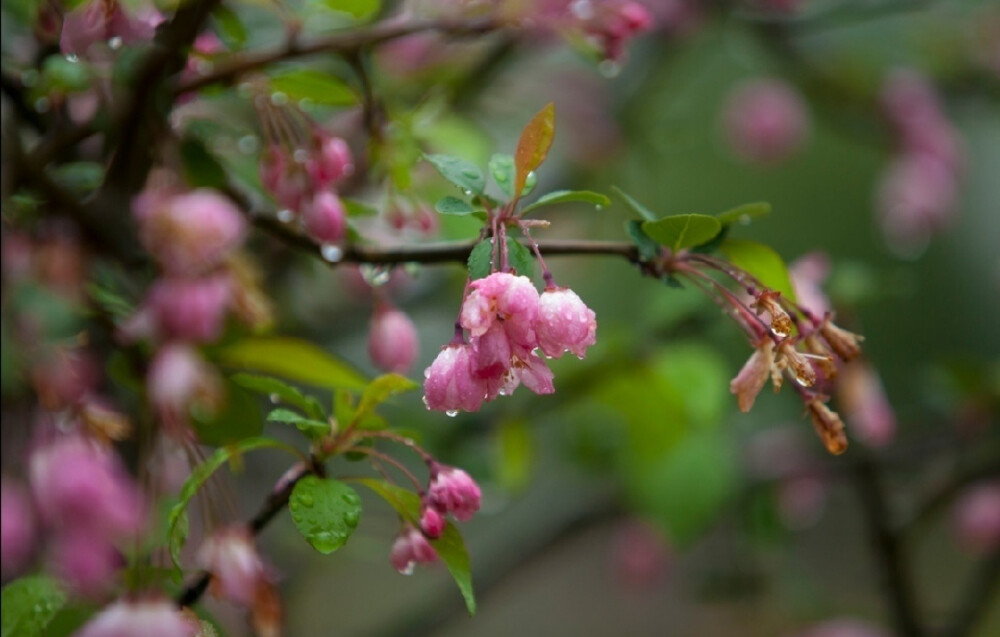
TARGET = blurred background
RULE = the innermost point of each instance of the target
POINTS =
(637, 500)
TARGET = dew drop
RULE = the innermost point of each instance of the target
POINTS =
(300, 155)
(42, 104)
(248, 144)
(294, 506)
(744, 220)
(279, 99)
(351, 518)
(501, 178)
(598, 207)
(331, 253)
(285, 215)
(424, 398)
(115, 43)
(307, 500)
(451, 413)
(275, 398)
(72, 59)
(351, 498)
(468, 192)
(408, 569)
(305, 103)
(609, 68)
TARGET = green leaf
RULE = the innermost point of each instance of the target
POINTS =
(27, 605)
(533, 145)
(357, 208)
(520, 258)
(381, 389)
(325, 512)
(294, 359)
(229, 26)
(79, 176)
(463, 174)
(359, 9)
(648, 249)
(682, 231)
(762, 262)
(634, 205)
(450, 546)
(60, 73)
(289, 417)
(454, 206)
(201, 168)
(566, 196)
(515, 454)
(502, 169)
(272, 387)
(200, 475)
(481, 260)
(743, 214)
(238, 418)
(320, 87)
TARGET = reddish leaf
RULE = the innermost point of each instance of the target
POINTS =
(534, 144)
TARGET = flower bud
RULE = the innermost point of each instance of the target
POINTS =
(916, 197)
(432, 523)
(191, 309)
(828, 425)
(140, 618)
(325, 218)
(17, 529)
(409, 549)
(753, 375)
(177, 380)
(392, 341)
(449, 384)
(85, 561)
(237, 570)
(454, 491)
(976, 518)
(865, 404)
(331, 163)
(765, 121)
(564, 323)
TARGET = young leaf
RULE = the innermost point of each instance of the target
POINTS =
(200, 475)
(356, 208)
(565, 196)
(359, 9)
(534, 144)
(381, 389)
(229, 27)
(743, 214)
(463, 174)
(325, 512)
(502, 169)
(481, 260)
(289, 417)
(450, 546)
(272, 387)
(320, 87)
(238, 418)
(454, 206)
(648, 249)
(520, 258)
(27, 605)
(682, 231)
(762, 262)
(634, 205)
(294, 359)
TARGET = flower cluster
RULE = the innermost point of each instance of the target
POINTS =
(507, 321)
(607, 25)
(919, 190)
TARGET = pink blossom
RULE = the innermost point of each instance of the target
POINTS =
(65, 377)
(140, 618)
(976, 518)
(845, 627)
(454, 491)
(409, 549)
(81, 485)
(17, 529)
(177, 379)
(102, 21)
(754, 374)
(801, 500)
(533, 373)
(324, 217)
(449, 383)
(917, 196)
(865, 404)
(808, 273)
(237, 570)
(392, 340)
(85, 561)
(640, 554)
(331, 163)
(491, 353)
(191, 309)
(765, 120)
(509, 299)
(432, 522)
(564, 323)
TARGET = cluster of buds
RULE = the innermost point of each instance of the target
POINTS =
(81, 498)
(507, 321)
(789, 340)
(765, 121)
(608, 25)
(300, 168)
(918, 192)
(451, 491)
(105, 22)
(414, 217)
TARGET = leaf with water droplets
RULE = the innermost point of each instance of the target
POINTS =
(678, 232)
(27, 605)
(454, 206)
(566, 196)
(534, 144)
(325, 512)
(380, 390)
(272, 387)
(744, 214)
(320, 87)
(481, 260)
(463, 174)
(311, 426)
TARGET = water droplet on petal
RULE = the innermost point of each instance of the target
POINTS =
(285, 215)
(248, 144)
(331, 253)
(72, 58)
(408, 569)
(115, 43)
(451, 413)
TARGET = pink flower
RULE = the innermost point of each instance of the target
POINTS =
(449, 384)
(392, 340)
(17, 529)
(801, 500)
(917, 196)
(409, 549)
(103, 21)
(865, 404)
(640, 554)
(85, 561)
(765, 120)
(754, 374)
(190, 233)
(141, 618)
(506, 298)
(843, 628)
(454, 491)
(178, 378)
(808, 273)
(325, 218)
(65, 377)
(237, 570)
(564, 323)
(432, 522)
(81, 485)
(191, 309)
(976, 518)
(331, 163)
(533, 373)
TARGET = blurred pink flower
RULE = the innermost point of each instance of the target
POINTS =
(191, 309)
(808, 273)
(230, 555)
(865, 405)
(409, 549)
(640, 555)
(976, 518)
(18, 530)
(766, 121)
(844, 627)
(392, 340)
(86, 561)
(140, 618)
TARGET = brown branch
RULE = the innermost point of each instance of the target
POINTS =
(343, 43)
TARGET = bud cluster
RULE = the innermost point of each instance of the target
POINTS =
(105, 22)
(608, 25)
